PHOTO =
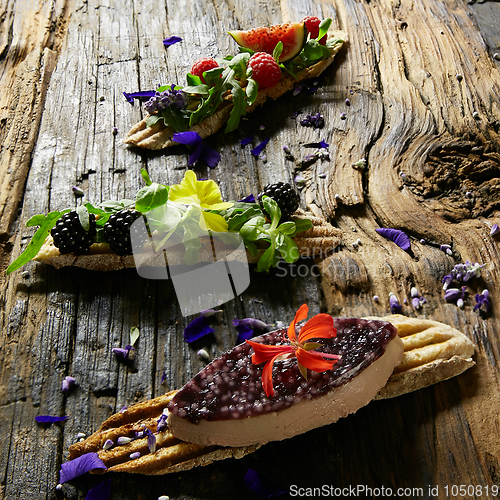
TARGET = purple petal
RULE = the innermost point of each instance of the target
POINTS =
(495, 229)
(100, 492)
(395, 235)
(143, 95)
(210, 156)
(258, 149)
(163, 377)
(49, 419)
(323, 144)
(187, 138)
(248, 199)
(251, 322)
(170, 40)
(196, 329)
(246, 140)
(67, 383)
(261, 485)
(244, 333)
(80, 466)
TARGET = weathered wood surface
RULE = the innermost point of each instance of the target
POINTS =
(64, 67)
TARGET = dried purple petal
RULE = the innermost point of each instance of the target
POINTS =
(246, 140)
(315, 121)
(196, 329)
(495, 229)
(262, 486)
(298, 89)
(135, 455)
(296, 113)
(100, 492)
(67, 383)
(143, 95)
(258, 149)
(248, 199)
(49, 419)
(170, 40)
(395, 235)
(161, 423)
(125, 353)
(163, 377)
(343, 116)
(80, 466)
(122, 440)
(151, 440)
(483, 301)
(124, 409)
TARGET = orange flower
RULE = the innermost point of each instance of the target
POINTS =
(319, 326)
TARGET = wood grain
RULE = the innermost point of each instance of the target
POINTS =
(64, 66)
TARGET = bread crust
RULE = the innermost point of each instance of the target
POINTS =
(160, 137)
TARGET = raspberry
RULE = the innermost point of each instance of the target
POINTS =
(312, 25)
(117, 231)
(265, 70)
(202, 65)
(69, 235)
(284, 195)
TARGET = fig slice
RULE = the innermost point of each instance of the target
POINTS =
(225, 404)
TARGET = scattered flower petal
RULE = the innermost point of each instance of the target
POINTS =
(206, 313)
(143, 95)
(161, 423)
(163, 377)
(170, 40)
(316, 121)
(395, 235)
(80, 466)
(151, 440)
(202, 353)
(261, 485)
(100, 492)
(125, 353)
(244, 333)
(248, 199)
(107, 444)
(455, 295)
(196, 329)
(67, 383)
(495, 229)
(258, 149)
(124, 409)
(122, 440)
(49, 419)
(201, 151)
(135, 455)
(246, 140)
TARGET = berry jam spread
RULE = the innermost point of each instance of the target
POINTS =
(230, 387)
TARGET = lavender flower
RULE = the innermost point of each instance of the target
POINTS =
(151, 440)
(161, 423)
(463, 272)
(483, 301)
(125, 353)
(416, 299)
(67, 383)
(162, 100)
(396, 307)
(315, 121)
(122, 440)
(495, 229)
(135, 455)
(142, 95)
(456, 295)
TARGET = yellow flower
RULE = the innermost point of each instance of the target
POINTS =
(204, 195)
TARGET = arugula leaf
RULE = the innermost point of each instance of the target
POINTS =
(201, 89)
(277, 51)
(239, 106)
(153, 120)
(46, 223)
(103, 215)
(150, 197)
(324, 27)
(251, 91)
(193, 80)
(239, 64)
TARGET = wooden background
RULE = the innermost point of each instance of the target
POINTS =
(64, 66)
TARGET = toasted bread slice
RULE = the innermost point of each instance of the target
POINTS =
(159, 137)
(433, 352)
(320, 240)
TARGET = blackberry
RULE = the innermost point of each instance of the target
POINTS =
(117, 230)
(284, 195)
(69, 235)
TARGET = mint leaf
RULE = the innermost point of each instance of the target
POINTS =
(83, 217)
(150, 197)
(46, 223)
(324, 27)
(277, 51)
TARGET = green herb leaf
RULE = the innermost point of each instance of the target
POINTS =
(273, 210)
(113, 205)
(212, 75)
(267, 260)
(302, 225)
(288, 249)
(239, 107)
(240, 213)
(134, 335)
(145, 176)
(150, 197)
(252, 91)
(324, 27)
(153, 120)
(201, 89)
(286, 228)
(193, 80)
(277, 51)
(46, 223)
(174, 117)
(251, 230)
(83, 217)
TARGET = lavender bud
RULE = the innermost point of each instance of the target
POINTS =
(495, 229)
(202, 353)
(80, 435)
(460, 302)
(115, 130)
(67, 383)
(375, 298)
(414, 292)
(347, 102)
(59, 487)
(107, 444)
(343, 116)
(78, 192)
(123, 440)
(496, 56)
(286, 149)
(135, 455)
(415, 302)
(124, 409)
